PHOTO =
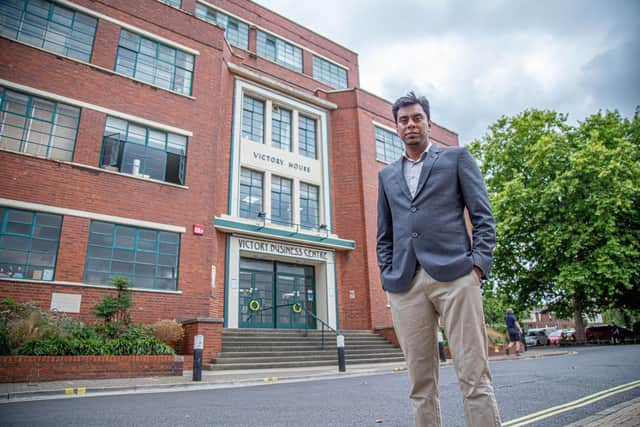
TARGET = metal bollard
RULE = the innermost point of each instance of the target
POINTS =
(198, 346)
(341, 361)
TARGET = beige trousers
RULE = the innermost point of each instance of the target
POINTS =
(415, 318)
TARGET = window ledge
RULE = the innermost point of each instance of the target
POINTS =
(84, 285)
(97, 169)
(99, 68)
(128, 175)
(172, 6)
(384, 162)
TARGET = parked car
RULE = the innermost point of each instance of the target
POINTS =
(555, 337)
(612, 333)
(568, 337)
(537, 336)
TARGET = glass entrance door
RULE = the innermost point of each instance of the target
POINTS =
(273, 294)
(256, 293)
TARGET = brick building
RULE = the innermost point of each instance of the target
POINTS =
(219, 156)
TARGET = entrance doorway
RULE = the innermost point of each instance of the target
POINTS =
(272, 294)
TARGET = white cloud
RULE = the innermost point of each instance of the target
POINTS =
(477, 61)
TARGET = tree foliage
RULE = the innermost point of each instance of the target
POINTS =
(567, 206)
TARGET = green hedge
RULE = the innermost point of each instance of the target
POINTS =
(120, 346)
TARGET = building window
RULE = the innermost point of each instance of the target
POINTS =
(389, 146)
(236, 32)
(138, 150)
(329, 73)
(155, 63)
(281, 191)
(28, 244)
(253, 119)
(174, 3)
(251, 193)
(307, 137)
(309, 206)
(279, 51)
(49, 26)
(281, 128)
(37, 126)
(147, 258)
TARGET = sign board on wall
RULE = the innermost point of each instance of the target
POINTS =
(65, 303)
(281, 162)
(282, 249)
(198, 229)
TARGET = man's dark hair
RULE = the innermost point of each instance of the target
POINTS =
(410, 99)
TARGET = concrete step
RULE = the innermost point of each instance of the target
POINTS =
(253, 331)
(292, 333)
(309, 353)
(316, 357)
(298, 347)
(277, 348)
(300, 364)
(293, 340)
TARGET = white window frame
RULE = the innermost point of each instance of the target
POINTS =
(319, 166)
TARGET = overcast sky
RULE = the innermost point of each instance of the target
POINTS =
(479, 60)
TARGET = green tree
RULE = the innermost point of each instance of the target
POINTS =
(567, 206)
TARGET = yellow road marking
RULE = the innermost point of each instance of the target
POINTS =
(546, 413)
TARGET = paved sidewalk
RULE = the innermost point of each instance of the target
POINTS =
(11, 392)
(626, 414)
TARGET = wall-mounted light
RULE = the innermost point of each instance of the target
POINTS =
(262, 219)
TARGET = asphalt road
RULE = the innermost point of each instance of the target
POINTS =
(523, 387)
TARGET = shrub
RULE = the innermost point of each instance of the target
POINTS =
(26, 329)
(22, 323)
(495, 337)
(168, 331)
(115, 311)
(123, 345)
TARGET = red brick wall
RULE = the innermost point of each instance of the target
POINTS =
(16, 369)
(62, 185)
(390, 335)
(148, 307)
(212, 332)
(348, 215)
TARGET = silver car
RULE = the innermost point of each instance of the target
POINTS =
(535, 337)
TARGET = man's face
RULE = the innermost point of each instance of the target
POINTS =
(413, 126)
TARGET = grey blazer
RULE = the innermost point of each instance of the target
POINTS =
(430, 228)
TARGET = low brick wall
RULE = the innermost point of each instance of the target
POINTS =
(15, 369)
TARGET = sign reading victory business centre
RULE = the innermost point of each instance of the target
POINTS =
(276, 248)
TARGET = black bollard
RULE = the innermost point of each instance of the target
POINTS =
(341, 361)
(198, 346)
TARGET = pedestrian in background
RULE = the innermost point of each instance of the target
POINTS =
(514, 330)
(443, 356)
(430, 267)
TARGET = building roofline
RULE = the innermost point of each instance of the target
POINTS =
(251, 75)
(306, 28)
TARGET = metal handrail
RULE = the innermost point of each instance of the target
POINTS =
(274, 306)
(339, 336)
(315, 317)
(307, 313)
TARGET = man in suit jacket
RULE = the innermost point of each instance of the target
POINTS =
(430, 267)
